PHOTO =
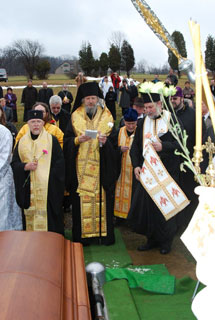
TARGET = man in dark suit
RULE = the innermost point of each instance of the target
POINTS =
(45, 93)
(59, 115)
(29, 98)
(8, 111)
(66, 97)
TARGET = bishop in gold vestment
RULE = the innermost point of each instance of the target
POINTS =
(90, 158)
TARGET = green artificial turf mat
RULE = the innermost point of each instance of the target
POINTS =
(114, 256)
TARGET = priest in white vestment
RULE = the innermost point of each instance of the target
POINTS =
(10, 213)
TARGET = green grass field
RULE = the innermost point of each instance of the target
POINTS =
(60, 80)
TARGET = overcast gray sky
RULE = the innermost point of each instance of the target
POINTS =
(62, 26)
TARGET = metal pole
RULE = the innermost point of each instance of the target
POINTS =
(96, 279)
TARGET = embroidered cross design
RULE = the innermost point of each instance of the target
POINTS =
(175, 192)
(153, 161)
(149, 180)
(160, 172)
(163, 201)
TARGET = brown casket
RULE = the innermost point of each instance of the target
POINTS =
(42, 277)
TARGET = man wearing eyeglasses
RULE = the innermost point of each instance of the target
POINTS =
(60, 116)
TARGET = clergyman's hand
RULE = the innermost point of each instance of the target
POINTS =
(102, 138)
(137, 172)
(31, 166)
(124, 148)
(157, 146)
(83, 138)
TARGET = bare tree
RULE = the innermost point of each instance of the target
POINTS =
(117, 38)
(9, 61)
(29, 53)
(142, 66)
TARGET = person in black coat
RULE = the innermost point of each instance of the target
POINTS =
(172, 78)
(45, 94)
(7, 124)
(144, 215)
(125, 96)
(187, 116)
(1, 92)
(110, 100)
(66, 97)
(29, 98)
(59, 115)
(134, 93)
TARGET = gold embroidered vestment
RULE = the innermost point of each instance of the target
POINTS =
(41, 151)
(88, 168)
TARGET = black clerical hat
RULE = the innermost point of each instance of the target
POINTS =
(155, 97)
(85, 90)
(35, 114)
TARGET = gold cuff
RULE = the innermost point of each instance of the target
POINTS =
(76, 141)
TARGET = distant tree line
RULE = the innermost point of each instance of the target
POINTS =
(27, 57)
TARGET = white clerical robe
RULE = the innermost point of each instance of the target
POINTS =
(10, 213)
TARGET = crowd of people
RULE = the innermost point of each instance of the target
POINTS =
(74, 158)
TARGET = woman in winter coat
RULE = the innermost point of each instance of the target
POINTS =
(110, 100)
(125, 96)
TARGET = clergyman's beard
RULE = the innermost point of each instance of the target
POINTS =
(178, 107)
(156, 114)
(91, 111)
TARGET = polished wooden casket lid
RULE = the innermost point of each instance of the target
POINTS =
(42, 277)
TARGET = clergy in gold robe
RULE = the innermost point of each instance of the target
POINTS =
(38, 167)
(90, 158)
(124, 183)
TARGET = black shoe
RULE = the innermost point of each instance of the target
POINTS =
(165, 249)
(148, 246)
